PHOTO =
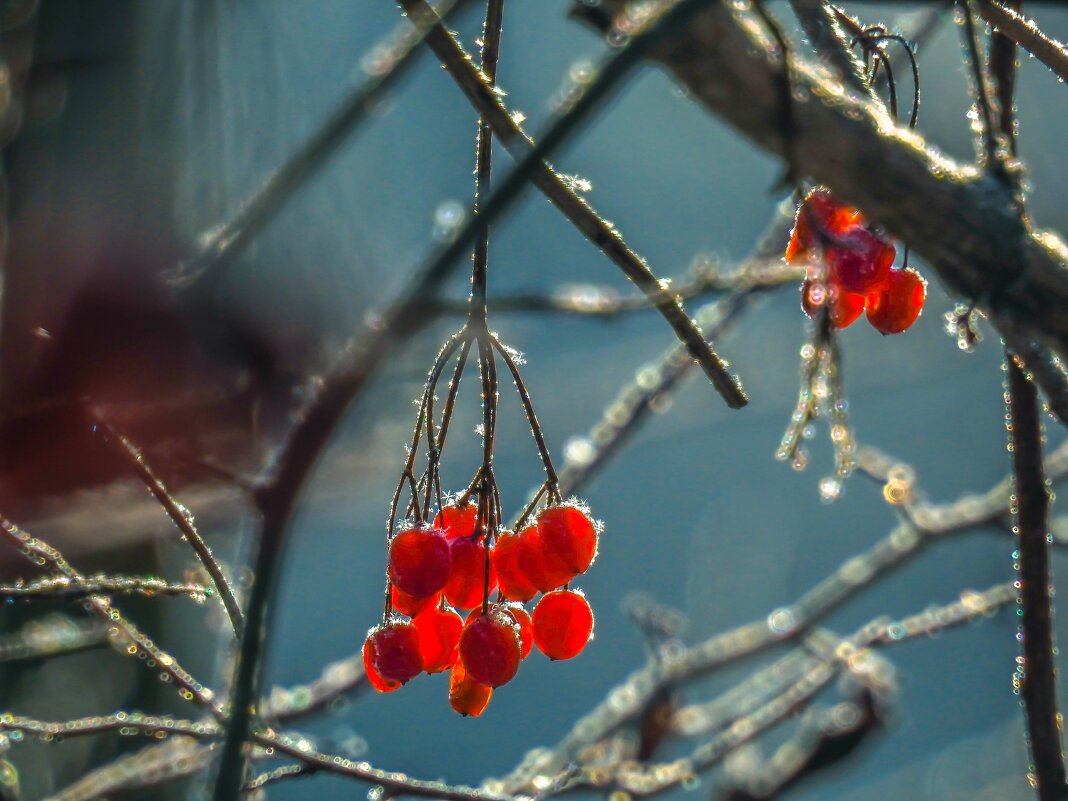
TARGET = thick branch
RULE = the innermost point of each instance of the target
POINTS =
(967, 225)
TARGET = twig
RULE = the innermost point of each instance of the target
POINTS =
(281, 773)
(182, 518)
(64, 589)
(1036, 675)
(122, 722)
(1028, 35)
(531, 166)
(988, 137)
(821, 25)
(387, 62)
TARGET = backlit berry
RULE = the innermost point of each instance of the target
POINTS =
(419, 561)
(563, 623)
(490, 649)
(373, 676)
(897, 304)
(820, 220)
(396, 651)
(457, 521)
(844, 307)
(860, 262)
(526, 627)
(466, 695)
(514, 583)
(439, 637)
(543, 573)
(410, 605)
(568, 537)
(466, 586)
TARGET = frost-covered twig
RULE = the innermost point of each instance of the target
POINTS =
(1028, 35)
(62, 588)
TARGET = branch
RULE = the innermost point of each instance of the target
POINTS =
(969, 227)
(531, 166)
(182, 518)
(65, 589)
(1028, 35)
(122, 722)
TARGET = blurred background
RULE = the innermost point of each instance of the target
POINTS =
(144, 125)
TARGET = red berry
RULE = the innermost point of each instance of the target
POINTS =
(568, 537)
(396, 651)
(467, 580)
(489, 648)
(897, 304)
(543, 573)
(844, 307)
(439, 635)
(419, 561)
(466, 695)
(526, 627)
(563, 623)
(410, 605)
(514, 583)
(819, 217)
(860, 262)
(373, 676)
(457, 521)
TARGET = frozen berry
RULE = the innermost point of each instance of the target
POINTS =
(467, 580)
(897, 304)
(410, 605)
(543, 573)
(526, 627)
(396, 651)
(457, 521)
(419, 561)
(373, 676)
(860, 262)
(819, 218)
(489, 648)
(514, 584)
(844, 307)
(563, 623)
(466, 695)
(568, 537)
(439, 636)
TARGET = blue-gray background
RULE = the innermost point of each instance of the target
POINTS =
(697, 512)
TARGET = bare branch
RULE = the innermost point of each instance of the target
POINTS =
(122, 722)
(1028, 35)
(64, 589)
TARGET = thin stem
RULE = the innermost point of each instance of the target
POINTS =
(182, 518)
(532, 167)
(981, 86)
(1025, 33)
(1038, 672)
(434, 458)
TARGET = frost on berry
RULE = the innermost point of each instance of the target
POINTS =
(373, 676)
(896, 305)
(457, 521)
(466, 586)
(563, 624)
(526, 627)
(419, 561)
(490, 647)
(396, 655)
(439, 638)
(568, 538)
(512, 580)
(466, 695)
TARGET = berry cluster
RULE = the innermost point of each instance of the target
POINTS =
(850, 267)
(437, 570)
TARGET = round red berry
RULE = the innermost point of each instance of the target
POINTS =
(543, 573)
(466, 695)
(466, 586)
(819, 217)
(457, 521)
(410, 605)
(439, 636)
(514, 583)
(569, 537)
(419, 561)
(844, 307)
(526, 627)
(373, 676)
(489, 648)
(396, 651)
(859, 262)
(897, 304)
(563, 623)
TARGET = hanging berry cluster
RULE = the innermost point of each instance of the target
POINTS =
(458, 578)
(849, 270)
